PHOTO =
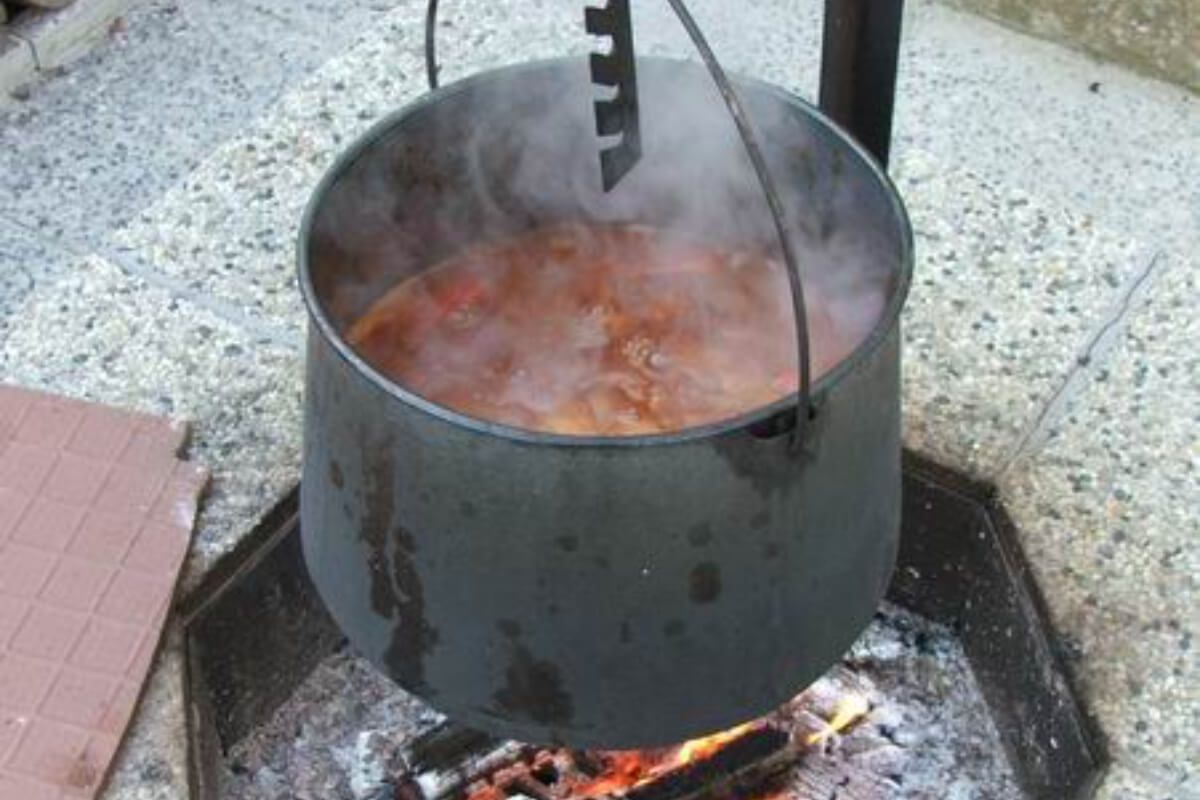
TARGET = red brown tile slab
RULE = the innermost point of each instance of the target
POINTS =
(24, 466)
(153, 445)
(90, 766)
(79, 697)
(24, 570)
(49, 633)
(76, 479)
(177, 504)
(96, 512)
(12, 614)
(131, 488)
(48, 751)
(105, 537)
(50, 422)
(158, 546)
(11, 727)
(143, 657)
(133, 597)
(103, 434)
(116, 716)
(14, 402)
(12, 505)
(48, 524)
(23, 682)
(107, 646)
(76, 584)
(12, 786)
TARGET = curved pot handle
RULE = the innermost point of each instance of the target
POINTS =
(804, 405)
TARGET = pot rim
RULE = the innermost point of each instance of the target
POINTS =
(316, 311)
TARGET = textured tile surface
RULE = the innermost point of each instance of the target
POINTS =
(229, 230)
(25, 261)
(1005, 291)
(102, 140)
(99, 334)
(1082, 135)
(83, 625)
(1161, 37)
(1123, 783)
(1108, 515)
(1020, 280)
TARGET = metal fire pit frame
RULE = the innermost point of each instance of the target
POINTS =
(255, 629)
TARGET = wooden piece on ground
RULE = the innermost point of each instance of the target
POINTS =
(753, 757)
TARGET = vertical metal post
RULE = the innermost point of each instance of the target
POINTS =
(859, 51)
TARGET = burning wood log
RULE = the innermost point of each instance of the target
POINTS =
(446, 761)
(798, 752)
(754, 756)
(452, 762)
(444, 747)
(587, 763)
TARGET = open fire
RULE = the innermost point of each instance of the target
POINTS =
(901, 718)
(755, 751)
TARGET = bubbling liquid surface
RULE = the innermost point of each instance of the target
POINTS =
(599, 330)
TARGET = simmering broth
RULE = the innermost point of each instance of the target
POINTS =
(611, 330)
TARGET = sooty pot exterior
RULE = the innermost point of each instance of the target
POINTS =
(607, 593)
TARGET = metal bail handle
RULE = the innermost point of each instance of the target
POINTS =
(804, 408)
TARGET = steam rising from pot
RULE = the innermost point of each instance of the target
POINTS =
(452, 185)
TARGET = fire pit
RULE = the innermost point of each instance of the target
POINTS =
(956, 685)
(900, 717)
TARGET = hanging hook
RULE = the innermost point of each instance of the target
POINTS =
(617, 69)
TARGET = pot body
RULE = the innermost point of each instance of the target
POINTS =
(591, 592)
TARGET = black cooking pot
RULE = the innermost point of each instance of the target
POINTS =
(598, 592)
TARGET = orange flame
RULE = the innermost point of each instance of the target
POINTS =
(627, 769)
(850, 709)
(705, 746)
(623, 770)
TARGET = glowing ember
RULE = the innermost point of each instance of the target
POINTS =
(624, 770)
(850, 709)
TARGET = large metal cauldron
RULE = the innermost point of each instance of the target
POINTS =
(589, 591)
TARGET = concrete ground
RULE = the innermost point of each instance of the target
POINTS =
(152, 194)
